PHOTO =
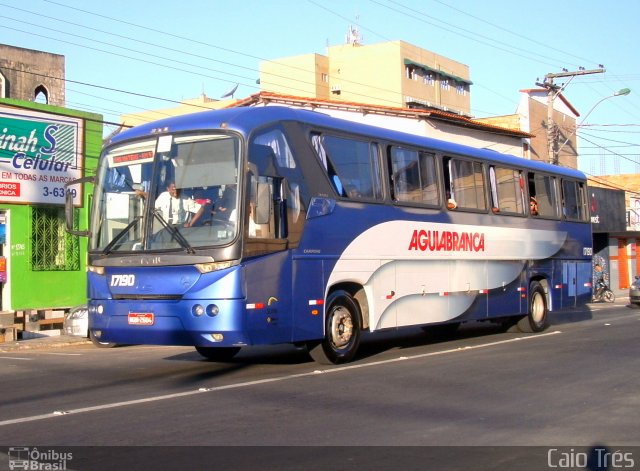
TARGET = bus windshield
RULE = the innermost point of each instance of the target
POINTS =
(167, 193)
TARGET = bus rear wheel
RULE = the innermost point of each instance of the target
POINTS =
(218, 353)
(537, 319)
(342, 330)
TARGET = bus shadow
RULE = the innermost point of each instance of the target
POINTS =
(377, 343)
(270, 355)
(415, 337)
(570, 316)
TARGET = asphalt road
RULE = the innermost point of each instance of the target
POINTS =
(575, 385)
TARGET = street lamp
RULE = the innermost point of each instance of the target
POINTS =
(621, 92)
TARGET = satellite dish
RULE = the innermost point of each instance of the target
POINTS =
(230, 92)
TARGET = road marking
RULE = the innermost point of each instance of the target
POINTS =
(62, 354)
(15, 358)
(246, 384)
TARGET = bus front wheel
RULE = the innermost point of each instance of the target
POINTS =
(536, 320)
(218, 353)
(342, 330)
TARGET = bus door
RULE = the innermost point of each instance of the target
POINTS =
(268, 308)
(308, 297)
(576, 277)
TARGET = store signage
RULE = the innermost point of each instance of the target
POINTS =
(607, 210)
(39, 153)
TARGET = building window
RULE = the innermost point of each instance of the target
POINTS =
(325, 78)
(428, 79)
(444, 84)
(41, 95)
(461, 88)
(53, 249)
(411, 72)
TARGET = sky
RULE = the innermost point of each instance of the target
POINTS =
(129, 56)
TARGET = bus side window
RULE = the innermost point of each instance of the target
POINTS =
(413, 175)
(280, 177)
(450, 196)
(542, 193)
(507, 190)
(353, 165)
(466, 184)
(317, 141)
(574, 200)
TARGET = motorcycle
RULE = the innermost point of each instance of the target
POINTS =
(602, 292)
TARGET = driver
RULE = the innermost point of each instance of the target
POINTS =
(176, 209)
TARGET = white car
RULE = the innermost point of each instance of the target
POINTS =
(76, 323)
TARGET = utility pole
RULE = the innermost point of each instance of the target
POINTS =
(552, 92)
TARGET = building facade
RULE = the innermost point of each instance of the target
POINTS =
(43, 145)
(395, 74)
(615, 219)
(30, 75)
(42, 267)
(532, 117)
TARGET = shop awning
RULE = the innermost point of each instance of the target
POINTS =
(437, 71)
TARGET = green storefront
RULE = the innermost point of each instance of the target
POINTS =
(42, 147)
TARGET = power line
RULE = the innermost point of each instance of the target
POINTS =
(473, 35)
(514, 33)
(346, 81)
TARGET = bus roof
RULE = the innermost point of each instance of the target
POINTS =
(245, 119)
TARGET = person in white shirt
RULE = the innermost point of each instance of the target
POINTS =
(176, 209)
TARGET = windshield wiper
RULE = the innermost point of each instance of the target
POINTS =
(174, 232)
(120, 235)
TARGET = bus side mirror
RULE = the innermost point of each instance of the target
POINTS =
(70, 194)
(264, 204)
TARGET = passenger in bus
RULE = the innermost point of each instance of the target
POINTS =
(176, 209)
(533, 206)
(451, 202)
(226, 204)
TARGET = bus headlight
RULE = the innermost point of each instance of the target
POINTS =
(215, 266)
(213, 310)
(96, 270)
(197, 310)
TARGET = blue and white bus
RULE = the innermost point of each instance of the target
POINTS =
(296, 227)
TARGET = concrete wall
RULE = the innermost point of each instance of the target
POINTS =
(25, 72)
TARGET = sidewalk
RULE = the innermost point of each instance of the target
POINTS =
(44, 343)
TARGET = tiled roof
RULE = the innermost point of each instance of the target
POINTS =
(452, 118)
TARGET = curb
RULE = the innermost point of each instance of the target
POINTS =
(43, 344)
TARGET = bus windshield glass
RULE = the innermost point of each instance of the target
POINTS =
(167, 193)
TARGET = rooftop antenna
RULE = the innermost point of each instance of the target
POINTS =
(353, 35)
(230, 92)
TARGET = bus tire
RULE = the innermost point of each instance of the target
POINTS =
(537, 319)
(218, 353)
(342, 330)
(100, 344)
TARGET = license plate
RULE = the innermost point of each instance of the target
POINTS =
(141, 318)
